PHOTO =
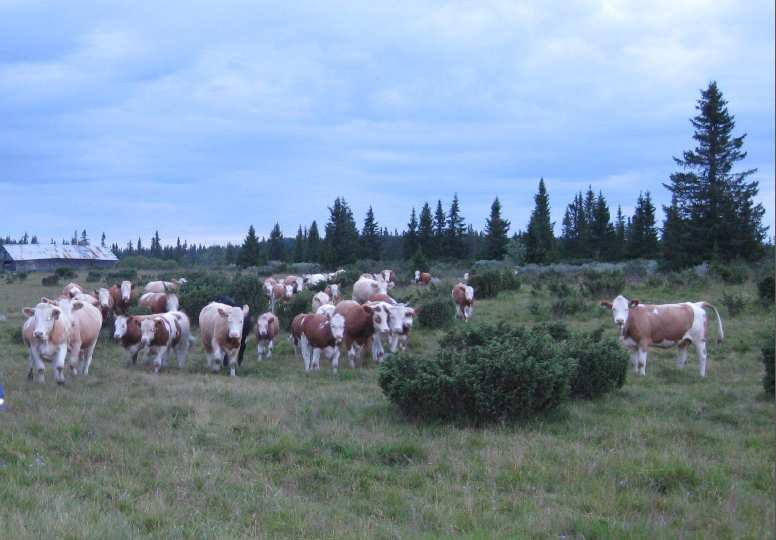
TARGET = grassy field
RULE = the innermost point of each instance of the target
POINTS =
(276, 453)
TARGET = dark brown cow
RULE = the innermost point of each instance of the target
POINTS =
(267, 328)
(361, 322)
(463, 296)
(126, 330)
(422, 278)
(663, 325)
(321, 333)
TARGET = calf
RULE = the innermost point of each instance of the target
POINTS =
(361, 323)
(46, 333)
(365, 287)
(72, 289)
(333, 291)
(663, 325)
(422, 278)
(247, 325)
(321, 333)
(159, 302)
(463, 296)
(221, 328)
(127, 331)
(165, 332)
(320, 299)
(267, 329)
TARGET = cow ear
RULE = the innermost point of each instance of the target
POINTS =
(633, 303)
(606, 304)
(55, 313)
(222, 312)
(46, 300)
(246, 309)
(77, 305)
(28, 311)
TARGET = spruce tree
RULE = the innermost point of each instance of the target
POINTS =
(602, 234)
(313, 250)
(426, 231)
(249, 252)
(440, 220)
(371, 241)
(410, 243)
(642, 239)
(496, 233)
(341, 241)
(576, 229)
(102, 240)
(539, 236)
(713, 211)
(618, 251)
(299, 243)
(456, 231)
(277, 248)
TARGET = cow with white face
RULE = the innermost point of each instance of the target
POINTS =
(166, 332)
(663, 325)
(267, 329)
(361, 323)
(463, 297)
(85, 322)
(333, 292)
(320, 299)
(72, 289)
(221, 327)
(279, 293)
(46, 333)
(127, 332)
(321, 333)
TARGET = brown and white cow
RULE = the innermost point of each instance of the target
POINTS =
(221, 328)
(86, 322)
(162, 333)
(400, 319)
(389, 276)
(296, 333)
(321, 333)
(279, 293)
(320, 299)
(422, 278)
(119, 298)
(663, 325)
(296, 283)
(72, 289)
(366, 287)
(87, 298)
(268, 284)
(463, 296)
(361, 323)
(164, 286)
(127, 331)
(46, 333)
(159, 302)
(267, 329)
(333, 291)
(106, 301)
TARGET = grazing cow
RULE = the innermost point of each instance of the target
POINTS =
(333, 291)
(365, 287)
(267, 329)
(321, 333)
(72, 289)
(320, 299)
(296, 283)
(247, 325)
(164, 286)
(361, 323)
(279, 292)
(463, 296)
(221, 328)
(422, 278)
(127, 331)
(296, 333)
(159, 302)
(46, 333)
(663, 325)
(165, 332)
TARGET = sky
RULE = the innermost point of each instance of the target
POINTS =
(197, 119)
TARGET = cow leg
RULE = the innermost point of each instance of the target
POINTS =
(681, 358)
(700, 347)
(182, 352)
(59, 365)
(634, 359)
(232, 355)
(159, 360)
(31, 360)
(260, 350)
(75, 357)
(642, 361)
(88, 354)
(270, 345)
(40, 367)
(316, 359)
(335, 359)
(306, 352)
(378, 353)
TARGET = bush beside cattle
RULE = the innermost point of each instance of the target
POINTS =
(202, 288)
(601, 365)
(288, 309)
(766, 290)
(65, 273)
(768, 358)
(48, 281)
(491, 282)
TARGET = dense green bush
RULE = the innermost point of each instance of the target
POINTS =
(420, 262)
(22, 276)
(734, 272)
(287, 310)
(203, 288)
(568, 305)
(120, 275)
(491, 282)
(601, 365)
(603, 284)
(93, 275)
(65, 273)
(769, 379)
(48, 281)
(766, 290)
(436, 312)
(734, 303)
(482, 374)
(141, 262)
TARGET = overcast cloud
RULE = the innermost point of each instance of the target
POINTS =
(200, 118)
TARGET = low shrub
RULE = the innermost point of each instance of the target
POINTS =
(93, 275)
(300, 268)
(420, 262)
(605, 284)
(766, 290)
(120, 275)
(141, 262)
(734, 303)
(202, 288)
(48, 281)
(563, 307)
(767, 356)
(437, 312)
(560, 289)
(558, 330)
(21, 276)
(287, 310)
(484, 374)
(734, 272)
(139, 310)
(65, 273)
(491, 282)
(601, 364)
(636, 268)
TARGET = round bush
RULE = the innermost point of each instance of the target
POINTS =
(436, 312)
(66, 273)
(491, 282)
(768, 358)
(202, 288)
(766, 290)
(299, 303)
(93, 276)
(602, 365)
(48, 281)
(483, 374)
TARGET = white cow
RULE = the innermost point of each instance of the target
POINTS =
(221, 329)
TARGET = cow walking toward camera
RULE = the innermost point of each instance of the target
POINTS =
(463, 296)
(267, 329)
(663, 325)
(127, 332)
(221, 327)
(46, 333)
(321, 333)
(361, 323)
(167, 332)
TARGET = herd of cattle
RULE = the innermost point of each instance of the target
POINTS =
(68, 328)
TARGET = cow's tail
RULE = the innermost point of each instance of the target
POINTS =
(720, 331)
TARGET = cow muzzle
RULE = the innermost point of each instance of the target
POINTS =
(38, 334)
(234, 335)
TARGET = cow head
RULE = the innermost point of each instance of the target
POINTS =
(620, 307)
(120, 326)
(182, 280)
(45, 315)
(409, 318)
(262, 326)
(395, 317)
(379, 314)
(337, 326)
(126, 290)
(234, 320)
(289, 292)
(148, 330)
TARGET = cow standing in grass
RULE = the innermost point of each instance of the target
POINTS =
(267, 329)
(167, 332)
(321, 333)
(127, 331)
(663, 325)
(159, 302)
(46, 333)
(221, 327)
(463, 296)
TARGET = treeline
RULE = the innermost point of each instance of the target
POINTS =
(712, 216)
